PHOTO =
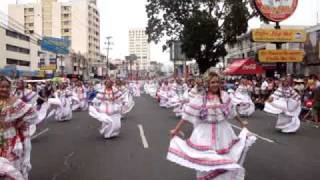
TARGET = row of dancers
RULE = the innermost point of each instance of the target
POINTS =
(22, 109)
(213, 149)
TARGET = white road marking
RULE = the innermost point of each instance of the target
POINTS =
(66, 166)
(143, 137)
(260, 137)
(40, 133)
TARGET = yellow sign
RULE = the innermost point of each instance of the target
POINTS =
(272, 56)
(41, 73)
(279, 35)
(49, 67)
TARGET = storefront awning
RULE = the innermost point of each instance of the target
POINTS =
(244, 67)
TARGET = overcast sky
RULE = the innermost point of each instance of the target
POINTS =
(117, 16)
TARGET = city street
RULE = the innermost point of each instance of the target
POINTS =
(76, 151)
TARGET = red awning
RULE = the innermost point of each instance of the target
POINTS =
(244, 67)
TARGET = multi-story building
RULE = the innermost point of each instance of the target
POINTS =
(78, 21)
(138, 45)
(18, 50)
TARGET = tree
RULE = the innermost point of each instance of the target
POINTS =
(203, 26)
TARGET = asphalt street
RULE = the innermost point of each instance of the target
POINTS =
(75, 150)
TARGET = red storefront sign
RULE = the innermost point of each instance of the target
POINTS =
(244, 67)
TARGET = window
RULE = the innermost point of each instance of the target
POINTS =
(74, 68)
(29, 10)
(17, 35)
(17, 49)
(66, 8)
(18, 62)
(66, 15)
(12, 61)
(66, 30)
(318, 34)
(24, 63)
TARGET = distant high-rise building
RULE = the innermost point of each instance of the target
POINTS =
(78, 21)
(138, 45)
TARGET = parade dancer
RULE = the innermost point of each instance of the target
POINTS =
(64, 111)
(285, 102)
(126, 98)
(106, 108)
(152, 88)
(242, 100)
(8, 171)
(26, 95)
(213, 149)
(79, 98)
(16, 117)
(137, 89)
(178, 100)
(163, 94)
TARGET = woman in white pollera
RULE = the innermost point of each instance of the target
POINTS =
(242, 99)
(213, 149)
(106, 108)
(286, 103)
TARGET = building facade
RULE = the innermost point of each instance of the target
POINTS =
(78, 21)
(18, 50)
(138, 45)
(312, 50)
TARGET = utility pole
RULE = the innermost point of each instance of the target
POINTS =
(108, 44)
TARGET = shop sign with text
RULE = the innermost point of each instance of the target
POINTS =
(272, 56)
(279, 35)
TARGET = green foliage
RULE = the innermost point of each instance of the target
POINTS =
(203, 26)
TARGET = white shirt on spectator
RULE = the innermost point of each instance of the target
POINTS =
(264, 86)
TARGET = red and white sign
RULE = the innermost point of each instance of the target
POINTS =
(244, 67)
(276, 10)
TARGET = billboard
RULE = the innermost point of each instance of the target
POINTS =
(55, 45)
(312, 48)
(279, 35)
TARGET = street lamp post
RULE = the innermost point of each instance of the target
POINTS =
(108, 43)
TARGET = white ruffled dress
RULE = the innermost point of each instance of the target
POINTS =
(79, 99)
(16, 147)
(164, 95)
(127, 100)
(213, 149)
(64, 111)
(243, 101)
(178, 100)
(287, 105)
(106, 108)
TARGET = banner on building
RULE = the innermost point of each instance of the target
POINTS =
(55, 45)
(279, 35)
(272, 56)
(48, 67)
